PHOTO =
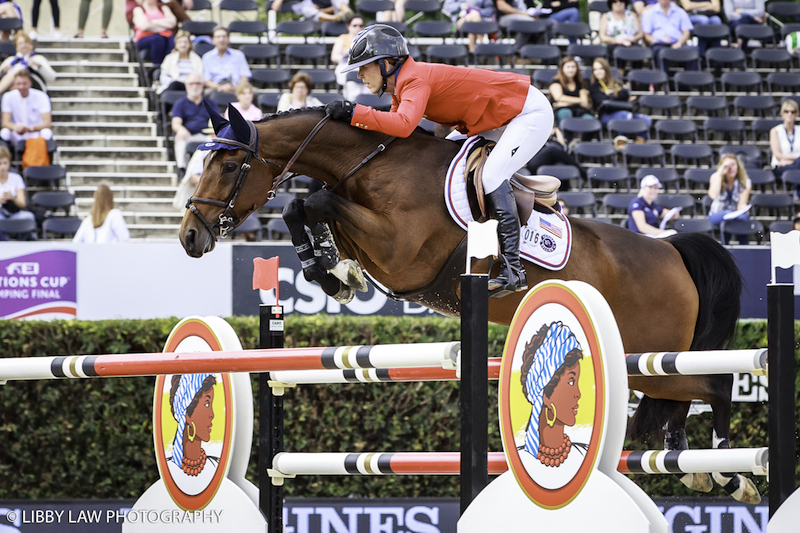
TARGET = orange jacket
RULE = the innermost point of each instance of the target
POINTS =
(473, 100)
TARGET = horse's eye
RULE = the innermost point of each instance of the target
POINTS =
(229, 167)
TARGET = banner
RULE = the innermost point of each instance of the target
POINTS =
(40, 285)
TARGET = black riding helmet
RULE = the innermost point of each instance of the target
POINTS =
(377, 42)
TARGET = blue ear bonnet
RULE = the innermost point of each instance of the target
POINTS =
(238, 134)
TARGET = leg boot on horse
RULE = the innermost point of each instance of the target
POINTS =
(503, 208)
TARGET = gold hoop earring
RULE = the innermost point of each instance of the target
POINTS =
(193, 435)
(547, 418)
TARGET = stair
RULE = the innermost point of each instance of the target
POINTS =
(107, 133)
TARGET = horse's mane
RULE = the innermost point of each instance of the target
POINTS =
(310, 110)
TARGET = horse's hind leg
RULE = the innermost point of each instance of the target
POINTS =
(738, 486)
(675, 439)
(294, 216)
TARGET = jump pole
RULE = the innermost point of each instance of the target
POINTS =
(781, 425)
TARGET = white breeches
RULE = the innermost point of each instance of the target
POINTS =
(518, 141)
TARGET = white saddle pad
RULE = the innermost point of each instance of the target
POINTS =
(546, 238)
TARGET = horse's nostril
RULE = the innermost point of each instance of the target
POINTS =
(189, 240)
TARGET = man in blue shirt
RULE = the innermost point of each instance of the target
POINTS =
(223, 67)
(666, 26)
(189, 118)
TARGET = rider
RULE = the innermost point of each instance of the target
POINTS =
(474, 101)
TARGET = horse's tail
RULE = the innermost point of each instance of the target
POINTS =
(719, 286)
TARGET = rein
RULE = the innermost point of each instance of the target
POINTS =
(228, 220)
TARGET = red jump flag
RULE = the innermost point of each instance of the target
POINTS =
(265, 275)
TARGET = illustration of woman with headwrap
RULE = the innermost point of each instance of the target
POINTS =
(191, 400)
(550, 376)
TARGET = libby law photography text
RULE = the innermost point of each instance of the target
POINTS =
(18, 517)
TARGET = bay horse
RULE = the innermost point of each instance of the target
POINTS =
(681, 293)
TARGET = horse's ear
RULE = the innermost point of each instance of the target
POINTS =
(216, 119)
(239, 124)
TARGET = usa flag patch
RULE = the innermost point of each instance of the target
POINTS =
(547, 226)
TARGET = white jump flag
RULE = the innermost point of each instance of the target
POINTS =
(481, 241)
(785, 250)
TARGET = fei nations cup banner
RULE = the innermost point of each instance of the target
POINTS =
(40, 285)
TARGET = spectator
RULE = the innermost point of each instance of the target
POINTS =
(176, 6)
(187, 186)
(244, 93)
(35, 19)
(223, 67)
(640, 6)
(26, 59)
(189, 118)
(511, 10)
(569, 92)
(335, 11)
(666, 26)
(644, 212)
(26, 112)
(796, 223)
(610, 98)
(350, 89)
(83, 15)
(701, 14)
(462, 11)
(179, 63)
(562, 11)
(739, 12)
(783, 141)
(555, 152)
(154, 22)
(564, 207)
(297, 97)
(729, 188)
(620, 26)
(9, 10)
(105, 224)
(12, 192)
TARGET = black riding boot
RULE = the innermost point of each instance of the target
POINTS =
(503, 209)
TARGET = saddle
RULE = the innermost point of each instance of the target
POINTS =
(527, 189)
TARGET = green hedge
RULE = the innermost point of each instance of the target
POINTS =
(93, 438)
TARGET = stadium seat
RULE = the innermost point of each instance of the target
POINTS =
(578, 30)
(306, 28)
(613, 202)
(751, 228)
(498, 54)
(697, 179)
(566, 173)
(584, 203)
(258, 54)
(543, 77)
(65, 227)
(588, 52)
(596, 152)
(694, 225)
(249, 27)
(695, 81)
(756, 32)
(433, 28)
(371, 100)
(741, 82)
(760, 105)
(270, 77)
(647, 153)
(547, 54)
(762, 126)
(683, 57)
(781, 226)
(268, 102)
(49, 175)
(584, 128)
(731, 130)
(771, 58)
(610, 176)
(644, 78)
(632, 54)
(706, 105)
(631, 128)
(682, 130)
(315, 54)
(693, 154)
(54, 200)
(763, 179)
(791, 180)
(727, 58)
(22, 229)
(662, 104)
(199, 28)
(786, 81)
(527, 31)
(456, 54)
(774, 204)
(684, 201)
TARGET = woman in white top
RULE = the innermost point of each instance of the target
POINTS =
(244, 95)
(105, 224)
(784, 142)
(620, 26)
(41, 71)
(179, 63)
(12, 193)
(299, 86)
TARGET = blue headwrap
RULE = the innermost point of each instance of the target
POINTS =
(188, 387)
(558, 342)
(225, 133)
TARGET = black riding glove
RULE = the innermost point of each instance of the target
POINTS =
(339, 110)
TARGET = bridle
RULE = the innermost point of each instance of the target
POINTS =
(227, 219)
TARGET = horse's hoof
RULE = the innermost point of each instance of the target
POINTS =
(345, 295)
(349, 272)
(740, 487)
(698, 482)
(749, 493)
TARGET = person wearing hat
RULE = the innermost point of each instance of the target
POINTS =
(643, 211)
(474, 101)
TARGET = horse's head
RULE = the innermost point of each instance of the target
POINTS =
(224, 197)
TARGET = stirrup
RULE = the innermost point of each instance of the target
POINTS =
(504, 289)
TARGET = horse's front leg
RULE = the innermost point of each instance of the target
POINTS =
(741, 488)
(675, 439)
(294, 216)
(373, 232)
